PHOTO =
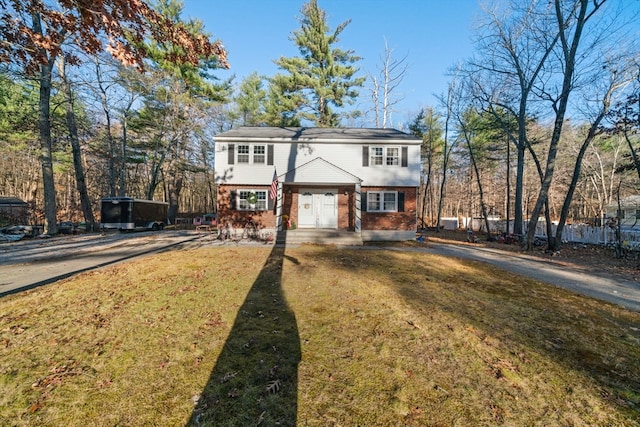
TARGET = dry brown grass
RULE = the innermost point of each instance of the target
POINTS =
(314, 336)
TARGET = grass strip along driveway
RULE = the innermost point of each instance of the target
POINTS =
(314, 336)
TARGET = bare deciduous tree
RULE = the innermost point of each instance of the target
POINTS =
(384, 86)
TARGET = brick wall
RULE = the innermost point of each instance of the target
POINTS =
(239, 218)
(406, 220)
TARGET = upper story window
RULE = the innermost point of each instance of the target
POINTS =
(392, 157)
(251, 153)
(384, 156)
(247, 154)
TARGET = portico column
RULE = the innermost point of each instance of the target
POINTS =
(279, 207)
(358, 209)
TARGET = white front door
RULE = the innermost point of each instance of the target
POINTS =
(306, 212)
(318, 209)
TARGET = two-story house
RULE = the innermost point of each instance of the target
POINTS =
(355, 180)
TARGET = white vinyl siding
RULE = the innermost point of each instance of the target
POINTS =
(348, 157)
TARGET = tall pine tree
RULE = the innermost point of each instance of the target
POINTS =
(321, 78)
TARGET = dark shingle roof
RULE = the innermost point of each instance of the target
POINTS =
(316, 134)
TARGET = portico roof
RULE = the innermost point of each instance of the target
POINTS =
(319, 171)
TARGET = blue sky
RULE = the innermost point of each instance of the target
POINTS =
(433, 34)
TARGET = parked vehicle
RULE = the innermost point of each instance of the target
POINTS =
(129, 214)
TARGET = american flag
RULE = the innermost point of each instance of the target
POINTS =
(273, 191)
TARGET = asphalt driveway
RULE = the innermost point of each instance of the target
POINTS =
(24, 266)
(625, 293)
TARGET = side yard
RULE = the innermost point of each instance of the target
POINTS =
(595, 257)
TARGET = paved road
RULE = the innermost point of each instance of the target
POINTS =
(30, 263)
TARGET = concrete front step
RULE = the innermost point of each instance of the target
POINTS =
(323, 236)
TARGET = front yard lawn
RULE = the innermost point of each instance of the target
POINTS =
(314, 336)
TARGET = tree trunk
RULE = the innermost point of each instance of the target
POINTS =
(593, 131)
(81, 184)
(518, 205)
(569, 55)
(46, 146)
(156, 168)
(111, 145)
(508, 207)
(427, 186)
(122, 190)
(174, 189)
(442, 188)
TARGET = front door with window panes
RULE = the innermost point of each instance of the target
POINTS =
(318, 209)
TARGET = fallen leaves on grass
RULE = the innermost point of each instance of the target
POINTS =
(338, 337)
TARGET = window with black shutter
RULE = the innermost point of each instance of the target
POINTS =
(270, 154)
(232, 154)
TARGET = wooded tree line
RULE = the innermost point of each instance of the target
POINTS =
(542, 121)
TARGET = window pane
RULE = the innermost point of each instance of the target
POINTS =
(373, 201)
(261, 204)
(393, 156)
(243, 154)
(376, 155)
(390, 202)
(242, 200)
(259, 153)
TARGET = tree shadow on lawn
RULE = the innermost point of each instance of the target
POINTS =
(255, 378)
(586, 335)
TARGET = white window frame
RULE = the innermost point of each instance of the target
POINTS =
(251, 154)
(392, 160)
(376, 156)
(380, 201)
(383, 156)
(261, 203)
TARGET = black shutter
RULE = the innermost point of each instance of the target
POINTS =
(270, 202)
(270, 154)
(232, 201)
(400, 201)
(405, 155)
(363, 201)
(365, 155)
(231, 153)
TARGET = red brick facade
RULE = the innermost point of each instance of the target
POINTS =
(405, 220)
(239, 218)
